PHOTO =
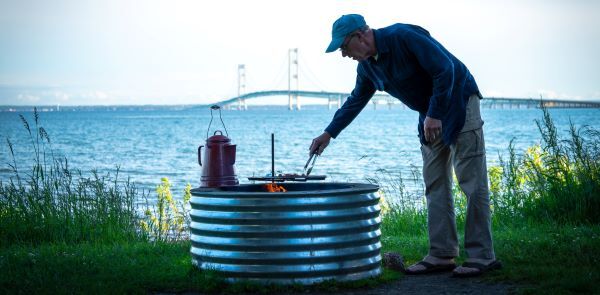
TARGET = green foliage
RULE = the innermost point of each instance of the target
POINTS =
(402, 212)
(537, 257)
(556, 181)
(560, 258)
(55, 203)
(169, 219)
(62, 231)
(118, 268)
(135, 267)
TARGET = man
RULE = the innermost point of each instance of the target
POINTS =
(407, 63)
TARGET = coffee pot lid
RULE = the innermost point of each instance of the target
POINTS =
(218, 138)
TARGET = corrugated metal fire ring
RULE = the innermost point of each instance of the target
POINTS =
(313, 232)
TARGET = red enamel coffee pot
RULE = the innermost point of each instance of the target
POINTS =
(219, 158)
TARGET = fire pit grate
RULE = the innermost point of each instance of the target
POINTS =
(289, 177)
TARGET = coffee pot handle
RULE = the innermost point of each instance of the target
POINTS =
(230, 152)
(215, 107)
(200, 155)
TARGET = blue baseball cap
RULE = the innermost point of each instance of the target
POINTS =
(343, 26)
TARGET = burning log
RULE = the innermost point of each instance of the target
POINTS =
(274, 188)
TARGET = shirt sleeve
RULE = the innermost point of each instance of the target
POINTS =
(438, 65)
(358, 99)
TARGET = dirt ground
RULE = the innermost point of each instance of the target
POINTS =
(440, 283)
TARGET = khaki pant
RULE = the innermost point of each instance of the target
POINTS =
(467, 156)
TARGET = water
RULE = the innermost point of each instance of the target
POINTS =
(148, 145)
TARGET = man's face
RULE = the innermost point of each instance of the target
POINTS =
(354, 47)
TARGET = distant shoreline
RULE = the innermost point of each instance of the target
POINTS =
(71, 108)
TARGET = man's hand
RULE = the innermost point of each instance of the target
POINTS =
(320, 143)
(432, 128)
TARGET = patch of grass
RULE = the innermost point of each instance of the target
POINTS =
(52, 202)
(136, 267)
(537, 257)
(130, 268)
(542, 257)
(549, 257)
(402, 210)
(555, 181)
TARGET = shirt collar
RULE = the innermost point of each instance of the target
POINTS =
(380, 42)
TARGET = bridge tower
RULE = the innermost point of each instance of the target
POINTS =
(293, 78)
(334, 100)
(242, 87)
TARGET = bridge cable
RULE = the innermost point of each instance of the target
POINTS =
(281, 74)
(310, 75)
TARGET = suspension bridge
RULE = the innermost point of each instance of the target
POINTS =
(380, 99)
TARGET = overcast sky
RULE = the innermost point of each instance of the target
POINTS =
(74, 52)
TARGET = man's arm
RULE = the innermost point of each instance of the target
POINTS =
(358, 99)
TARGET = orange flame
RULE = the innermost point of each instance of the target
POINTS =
(274, 188)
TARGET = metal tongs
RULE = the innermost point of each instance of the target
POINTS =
(307, 169)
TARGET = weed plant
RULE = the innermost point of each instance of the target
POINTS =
(402, 210)
(168, 219)
(52, 202)
(554, 182)
(557, 181)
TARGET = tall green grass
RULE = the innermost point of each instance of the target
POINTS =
(556, 181)
(52, 202)
(403, 210)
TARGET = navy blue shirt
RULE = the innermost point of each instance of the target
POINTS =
(420, 72)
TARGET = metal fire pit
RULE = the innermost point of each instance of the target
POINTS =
(313, 232)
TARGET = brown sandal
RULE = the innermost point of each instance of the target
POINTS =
(431, 268)
(481, 268)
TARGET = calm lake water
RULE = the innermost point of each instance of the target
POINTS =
(148, 145)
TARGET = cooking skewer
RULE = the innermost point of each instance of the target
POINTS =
(273, 157)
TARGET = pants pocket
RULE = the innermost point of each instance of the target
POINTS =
(470, 144)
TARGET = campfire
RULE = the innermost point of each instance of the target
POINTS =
(273, 178)
(274, 188)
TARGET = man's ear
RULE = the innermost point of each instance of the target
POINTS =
(363, 34)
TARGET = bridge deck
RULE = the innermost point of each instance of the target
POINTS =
(385, 98)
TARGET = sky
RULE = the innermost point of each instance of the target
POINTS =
(106, 52)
